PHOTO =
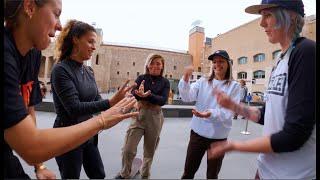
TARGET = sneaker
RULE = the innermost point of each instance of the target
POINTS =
(119, 177)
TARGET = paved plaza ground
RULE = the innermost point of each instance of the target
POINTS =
(170, 156)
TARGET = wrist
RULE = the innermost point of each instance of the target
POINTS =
(234, 107)
(101, 122)
(39, 167)
(111, 102)
(186, 78)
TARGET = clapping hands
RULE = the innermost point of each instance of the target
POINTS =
(140, 92)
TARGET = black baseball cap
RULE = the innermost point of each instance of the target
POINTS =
(294, 5)
(221, 53)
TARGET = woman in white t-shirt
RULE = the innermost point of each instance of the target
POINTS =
(210, 122)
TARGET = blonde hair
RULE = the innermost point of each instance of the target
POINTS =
(149, 59)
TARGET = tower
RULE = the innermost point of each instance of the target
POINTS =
(196, 49)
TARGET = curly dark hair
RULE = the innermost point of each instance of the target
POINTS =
(64, 43)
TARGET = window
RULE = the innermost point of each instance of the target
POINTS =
(170, 76)
(242, 60)
(166, 76)
(118, 63)
(259, 57)
(199, 69)
(97, 59)
(259, 74)
(276, 54)
(174, 67)
(118, 72)
(133, 63)
(128, 73)
(138, 73)
(242, 75)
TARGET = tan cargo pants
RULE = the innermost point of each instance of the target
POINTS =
(147, 124)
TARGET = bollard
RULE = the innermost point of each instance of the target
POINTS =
(246, 132)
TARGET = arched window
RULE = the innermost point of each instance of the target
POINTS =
(259, 57)
(134, 64)
(259, 74)
(174, 67)
(242, 60)
(276, 54)
(242, 75)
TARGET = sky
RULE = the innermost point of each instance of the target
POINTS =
(161, 23)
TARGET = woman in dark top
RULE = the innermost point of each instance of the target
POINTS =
(76, 97)
(28, 27)
(152, 93)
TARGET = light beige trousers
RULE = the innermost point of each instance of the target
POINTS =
(147, 124)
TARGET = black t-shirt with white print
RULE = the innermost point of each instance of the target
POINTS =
(21, 90)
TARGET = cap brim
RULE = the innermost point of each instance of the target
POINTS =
(212, 56)
(255, 9)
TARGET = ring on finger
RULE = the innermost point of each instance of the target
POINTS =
(123, 110)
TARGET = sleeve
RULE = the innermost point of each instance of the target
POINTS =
(300, 112)
(188, 93)
(69, 96)
(223, 114)
(14, 107)
(160, 99)
(262, 111)
(36, 96)
(98, 97)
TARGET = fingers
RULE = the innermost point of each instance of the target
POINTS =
(128, 115)
(125, 101)
(147, 93)
(141, 87)
(124, 85)
(130, 87)
(130, 106)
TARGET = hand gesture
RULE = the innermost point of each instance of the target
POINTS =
(223, 99)
(187, 73)
(204, 114)
(45, 174)
(140, 92)
(117, 113)
(121, 93)
(219, 148)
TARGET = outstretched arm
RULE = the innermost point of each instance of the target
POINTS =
(252, 113)
(43, 144)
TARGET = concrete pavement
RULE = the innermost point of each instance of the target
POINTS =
(170, 156)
